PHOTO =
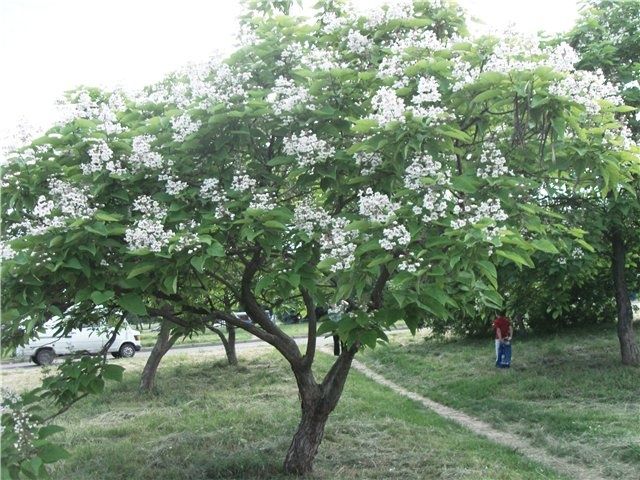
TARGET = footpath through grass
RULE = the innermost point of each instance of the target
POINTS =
(567, 393)
(211, 421)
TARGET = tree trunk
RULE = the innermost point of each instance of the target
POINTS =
(163, 343)
(317, 402)
(629, 350)
(230, 347)
(228, 343)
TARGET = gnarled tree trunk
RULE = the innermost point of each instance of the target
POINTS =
(629, 350)
(317, 402)
(163, 343)
(229, 342)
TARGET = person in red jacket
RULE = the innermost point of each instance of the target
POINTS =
(503, 331)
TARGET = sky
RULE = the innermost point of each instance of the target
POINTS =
(50, 46)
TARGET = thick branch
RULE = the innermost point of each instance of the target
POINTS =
(311, 331)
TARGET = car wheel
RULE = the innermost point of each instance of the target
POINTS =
(115, 354)
(127, 350)
(45, 356)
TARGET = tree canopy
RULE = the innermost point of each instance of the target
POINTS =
(381, 165)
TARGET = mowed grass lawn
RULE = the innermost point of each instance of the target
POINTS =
(211, 421)
(567, 393)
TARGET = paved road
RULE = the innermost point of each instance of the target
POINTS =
(197, 349)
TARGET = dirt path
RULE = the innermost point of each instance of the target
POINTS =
(479, 427)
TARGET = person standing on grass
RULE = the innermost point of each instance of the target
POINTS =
(503, 331)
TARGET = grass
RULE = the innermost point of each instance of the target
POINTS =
(148, 336)
(567, 393)
(211, 421)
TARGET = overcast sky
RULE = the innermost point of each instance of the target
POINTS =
(49, 46)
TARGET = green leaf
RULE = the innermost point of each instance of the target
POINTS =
(132, 302)
(49, 430)
(274, 224)
(364, 125)
(171, 283)
(107, 217)
(51, 453)
(140, 269)
(544, 246)
(99, 297)
(198, 263)
(112, 372)
(515, 257)
(216, 249)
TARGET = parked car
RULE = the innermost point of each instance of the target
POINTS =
(47, 346)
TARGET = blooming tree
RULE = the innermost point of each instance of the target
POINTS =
(379, 165)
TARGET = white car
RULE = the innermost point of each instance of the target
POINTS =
(47, 346)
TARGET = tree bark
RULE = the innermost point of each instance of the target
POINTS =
(629, 350)
(317, 402)
(163, 343)
(229, 343)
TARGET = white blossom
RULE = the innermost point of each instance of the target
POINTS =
(307, 148)
(242, 182)
(587, 89)
(286, 96)
(368, 161)
(376, 206)
(309, 218)
(183, 126)
(149, 207)
(147, 233)
(393, 236)
(337, 243)
(387, 107)
(493, 163)
(358, 43)
(263, 201)
(142, 155)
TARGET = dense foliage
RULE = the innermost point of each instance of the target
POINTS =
(380, 165)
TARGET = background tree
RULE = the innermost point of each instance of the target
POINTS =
(607, 37)
(380, 165)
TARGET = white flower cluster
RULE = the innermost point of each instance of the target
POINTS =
(73, 202)
(489, 209)
(387, 107)
(173, 186)
(630, 85)
(148, 232)
(337, 243)
(428, 92)
(6, 251)
(308, 218)
(587, 89)
(102, 159)
(187, 238)
(577, 253)
(493, 163)
(423, 39)
(83, 106)
(331, 22)
(183, 126)
(242, 182)
(307, 148)
(435, 203)
(149, 207)
(358, 43)
(397, 10)
(23, 425)
(394, 236)
(309, 56)
(375, 206)
(246, 36)
(338, 309)
(286, 96)
(408, 264)
(214, 83)
(562, 58)
(424, 166)
(210, 190)
(142, 155)
(263, 201)
(463, 73)
(368, 161)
